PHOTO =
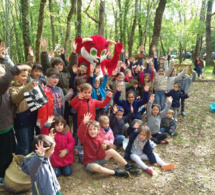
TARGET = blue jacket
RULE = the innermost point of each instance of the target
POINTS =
(176, 95)
(101, 89)
(136, 104)
(43, 178)
(148, 149)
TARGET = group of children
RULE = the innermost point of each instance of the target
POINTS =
(104, 111)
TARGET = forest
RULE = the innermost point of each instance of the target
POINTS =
(186, 25)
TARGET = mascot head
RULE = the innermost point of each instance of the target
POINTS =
(95, 49)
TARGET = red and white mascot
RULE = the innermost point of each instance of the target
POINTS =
(95, 50)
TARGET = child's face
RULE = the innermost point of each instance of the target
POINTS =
(130, 98)
(22, 77)
(105, 124)
(120, 78)
(161, 72)
(128, 73)
(146, 79)
(174, 72)
(161, 61)
(59, 67)
(59, 127)
(169, 115)
(155, 110)
(50, 151)
(36, 73)
(93, 131)
(142, 136)
(82, 69)
(119, 115)
(135, 86)
(87, 93)
(53, 80)
(96, 84)
(176, 88)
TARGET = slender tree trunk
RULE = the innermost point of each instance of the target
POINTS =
(79, 5)
(200, 34)
(68, 30)
(180, 52)
(209, 57)
(101, 18)
(140, 26)
(130, 41)
(157, 25)
(115, 22)
(40, 29)
(120, 20)
(162, 47)
(125, 22)
(52, 23)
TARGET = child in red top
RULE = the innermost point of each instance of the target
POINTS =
(96, 153)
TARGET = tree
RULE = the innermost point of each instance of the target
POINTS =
(68, 29)
(157, 25)
(52, 23)
(209, 57)
(79, 5)
(40, 29)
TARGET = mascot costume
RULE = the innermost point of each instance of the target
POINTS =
(94, 51)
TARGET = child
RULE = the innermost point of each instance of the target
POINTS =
(25, 120)
(154, 116)
(130, 100)
(168, 124)
(36, 74)
(56, 103)
(83, 103)
(147, 80)
(117, 123)
(185, 83)
(128, 75)
(99, 93)
(139, 148)
(136, 89)
(106, 132)
(62, 157)
(96, 153)
(38, 166)
(176, 95)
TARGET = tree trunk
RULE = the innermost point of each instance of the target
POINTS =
(130, 41)
(162, 47)
(79, 5)
(101, 18)
(25, 26)
(125, 22)
(180, 53)
(157, 25)
(115, 21)
(52, 24)
(140, 26)
(209, 57)
(120, 20)
(40, 29)
(68, 30)
(200, 34)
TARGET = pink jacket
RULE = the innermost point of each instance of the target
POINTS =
(63, 140)
(108, 137)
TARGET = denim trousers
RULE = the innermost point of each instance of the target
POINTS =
(160, 98)
(118, 140)
(66, 171)
(166, 130)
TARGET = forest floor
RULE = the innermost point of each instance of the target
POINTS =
(192, 152)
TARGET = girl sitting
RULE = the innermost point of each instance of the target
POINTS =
(62, 157)
(139, 148)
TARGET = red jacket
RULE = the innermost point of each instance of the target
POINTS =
(92, 146)
(63, 140)
(83, 106)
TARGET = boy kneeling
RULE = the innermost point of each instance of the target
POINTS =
(95, 153)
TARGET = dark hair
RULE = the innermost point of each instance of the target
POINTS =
(178, 85)
(51, 71)
(37, 65)
(83, 64)
(135, 82)
(120, 74)
(56, 61)
(129, 92)
(156, 105)
(58, 119)
(47, 141)
(161, 68)
(146, 130)
(86, 86)
(173, 70)
(79, 81)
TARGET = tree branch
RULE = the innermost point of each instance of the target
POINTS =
(212, 14)
(89, 16)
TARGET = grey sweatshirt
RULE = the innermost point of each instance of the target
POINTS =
(154, 122)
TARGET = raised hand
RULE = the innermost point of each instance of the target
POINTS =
(3, 50)
(63, 153)
(126, 54)
(132, 109)
(154, 48)
(146, 88)
(151, 98)
(51, 54)
(50, 119)
(62, 50)
(51, 133)
(187, 68)
(115, 109)
(136, 125)
(152, 67)
(169, 99)
(75, 68)
(40, 149)
(87, 118)
(106, 71)
(170, 49)
(80, 96)
(71, 91)
(110, 94)
(119, 88)
(44, 43)
(147, 60)
(92, 68)
(122, 51)
(30, 51)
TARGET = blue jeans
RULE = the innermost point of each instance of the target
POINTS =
(160, 98)
(118, 140)
(25, 138)
(166, 130)
(66, 171)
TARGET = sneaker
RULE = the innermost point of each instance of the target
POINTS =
(133, 169)
(174, 134)
(122, 173)
(168, 167)
(183, 113)
(164, 141)
(149, 170)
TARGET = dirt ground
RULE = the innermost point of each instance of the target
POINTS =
(192, 152)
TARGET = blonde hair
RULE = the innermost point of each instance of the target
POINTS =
(93, 123)
(103, 118)
(145, 129)
(86, 86)
(170, 112)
